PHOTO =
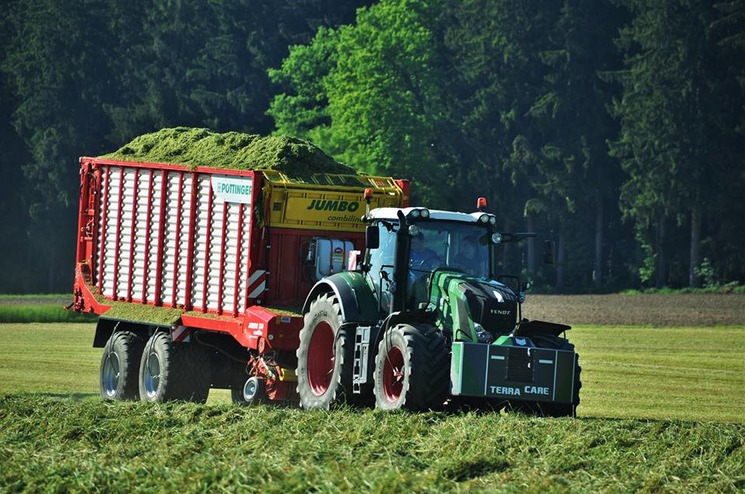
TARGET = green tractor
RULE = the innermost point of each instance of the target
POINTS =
(422, 321)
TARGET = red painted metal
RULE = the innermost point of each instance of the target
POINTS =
(393, 374)
(405, 186)
(192, 239)
(223, 241)
(177, 240)
(321, 358)
(290, 277)
(238, 258)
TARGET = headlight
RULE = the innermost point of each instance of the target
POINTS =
(414, 230)
(484, 218)
(414, 214)
(425, 213)
(496, 238)
(493, 220)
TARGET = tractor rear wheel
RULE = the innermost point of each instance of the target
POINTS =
(119, 365)
(412, 369)
(325, 357)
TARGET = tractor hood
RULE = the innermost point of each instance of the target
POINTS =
(473, 309)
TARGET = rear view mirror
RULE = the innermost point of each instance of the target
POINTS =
(372, 237)
(548, 252)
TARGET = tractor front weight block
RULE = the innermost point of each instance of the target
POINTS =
(512, 372)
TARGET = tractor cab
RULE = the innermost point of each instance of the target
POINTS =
(442, 263)
(406, 246)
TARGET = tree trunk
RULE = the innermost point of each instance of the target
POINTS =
(598, 271)
(531, 244)
(661, 258)
(560, 262)
(693, 279)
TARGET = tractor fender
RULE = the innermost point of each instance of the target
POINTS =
(358, 302)
(401, 317)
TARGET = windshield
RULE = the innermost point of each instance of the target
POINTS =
(457, 246)
(464, 247)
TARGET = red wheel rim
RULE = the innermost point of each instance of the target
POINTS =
(321, 358)
(393, 374)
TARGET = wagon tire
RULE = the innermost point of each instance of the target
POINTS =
(171, 371)
(118, 373)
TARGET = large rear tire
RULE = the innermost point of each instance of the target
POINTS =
(412, 369)
(119, 366)
(170, 371)
(326, 357)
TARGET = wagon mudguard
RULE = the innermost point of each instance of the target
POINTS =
(358, 302)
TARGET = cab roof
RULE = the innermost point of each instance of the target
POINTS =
(391, 214)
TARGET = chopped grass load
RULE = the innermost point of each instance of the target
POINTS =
(193, 147)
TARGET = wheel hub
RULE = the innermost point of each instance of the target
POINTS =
(321, 359)
(393, 375)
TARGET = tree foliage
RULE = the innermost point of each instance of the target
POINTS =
(84, 77)
(614, 127)
(450, 93)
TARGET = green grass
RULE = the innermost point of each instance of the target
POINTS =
(53, 445)
(39, 308)
(676, 373)
(41, 313)
(627, 372)
(661, 412)
(48, 358)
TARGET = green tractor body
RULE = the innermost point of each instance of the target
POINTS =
(423, 320)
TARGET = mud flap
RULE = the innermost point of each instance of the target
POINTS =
(509, 372)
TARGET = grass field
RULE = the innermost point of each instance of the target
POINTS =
(662, 411)
(627, 372)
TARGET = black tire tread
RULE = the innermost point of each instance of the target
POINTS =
(427, 368)
(128, 346)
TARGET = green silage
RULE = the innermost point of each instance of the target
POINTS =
(157, 316)
(193, 147)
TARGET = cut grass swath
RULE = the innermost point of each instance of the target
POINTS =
(66, 445)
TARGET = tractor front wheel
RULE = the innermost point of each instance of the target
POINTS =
(412, 369)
